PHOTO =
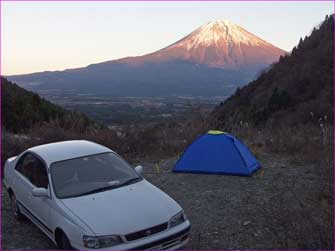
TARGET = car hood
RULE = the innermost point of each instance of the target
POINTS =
(125, 209)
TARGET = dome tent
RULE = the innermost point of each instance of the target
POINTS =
(217, 152)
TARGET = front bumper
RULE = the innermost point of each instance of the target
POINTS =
(169, 239)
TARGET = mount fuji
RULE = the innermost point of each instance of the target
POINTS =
(212, 60)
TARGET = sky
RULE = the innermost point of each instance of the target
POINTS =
(40, 36)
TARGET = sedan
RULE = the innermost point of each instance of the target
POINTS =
(83, 195)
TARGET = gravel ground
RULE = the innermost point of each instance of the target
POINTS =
(287, 204)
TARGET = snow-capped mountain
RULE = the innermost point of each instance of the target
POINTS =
(218, 44)
(212, 60)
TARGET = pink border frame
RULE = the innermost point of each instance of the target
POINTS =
(167, 0)
(156, 1)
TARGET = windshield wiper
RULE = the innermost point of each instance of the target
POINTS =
(97, 190)
(130, 181)
(112, 186)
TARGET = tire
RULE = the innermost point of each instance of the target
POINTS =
(16, 209)
(64, 243)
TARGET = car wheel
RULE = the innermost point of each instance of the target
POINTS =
(64, 243)
(16, 209)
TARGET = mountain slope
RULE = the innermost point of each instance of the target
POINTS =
(22, 109)
(212, 60)
(218, 44)
(297, 89)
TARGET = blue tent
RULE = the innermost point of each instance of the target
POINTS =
(218, 153)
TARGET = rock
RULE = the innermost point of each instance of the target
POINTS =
(246, 223)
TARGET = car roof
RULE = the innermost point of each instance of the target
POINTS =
(70, 149)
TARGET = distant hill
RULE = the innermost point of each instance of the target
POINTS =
(212, 60)
(21, 109)
(297, 89)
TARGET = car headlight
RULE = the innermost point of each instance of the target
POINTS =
(101, 241)
(177, 219)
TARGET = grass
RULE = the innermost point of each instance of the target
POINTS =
(312, 142)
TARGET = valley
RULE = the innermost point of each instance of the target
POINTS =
(197, 72)
(128, 111)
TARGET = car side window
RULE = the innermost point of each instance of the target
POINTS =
(40, 178)
(33, 169)
(25, 166)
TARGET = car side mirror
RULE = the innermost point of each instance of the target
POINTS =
(139, 169)
(40, 192)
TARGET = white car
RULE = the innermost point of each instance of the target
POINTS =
(84, 196)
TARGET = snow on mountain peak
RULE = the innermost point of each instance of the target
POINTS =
(219, 43)
(218, 33)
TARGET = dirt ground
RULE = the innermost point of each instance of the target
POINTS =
(288, 204)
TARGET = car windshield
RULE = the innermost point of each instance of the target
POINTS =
(91, 174)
